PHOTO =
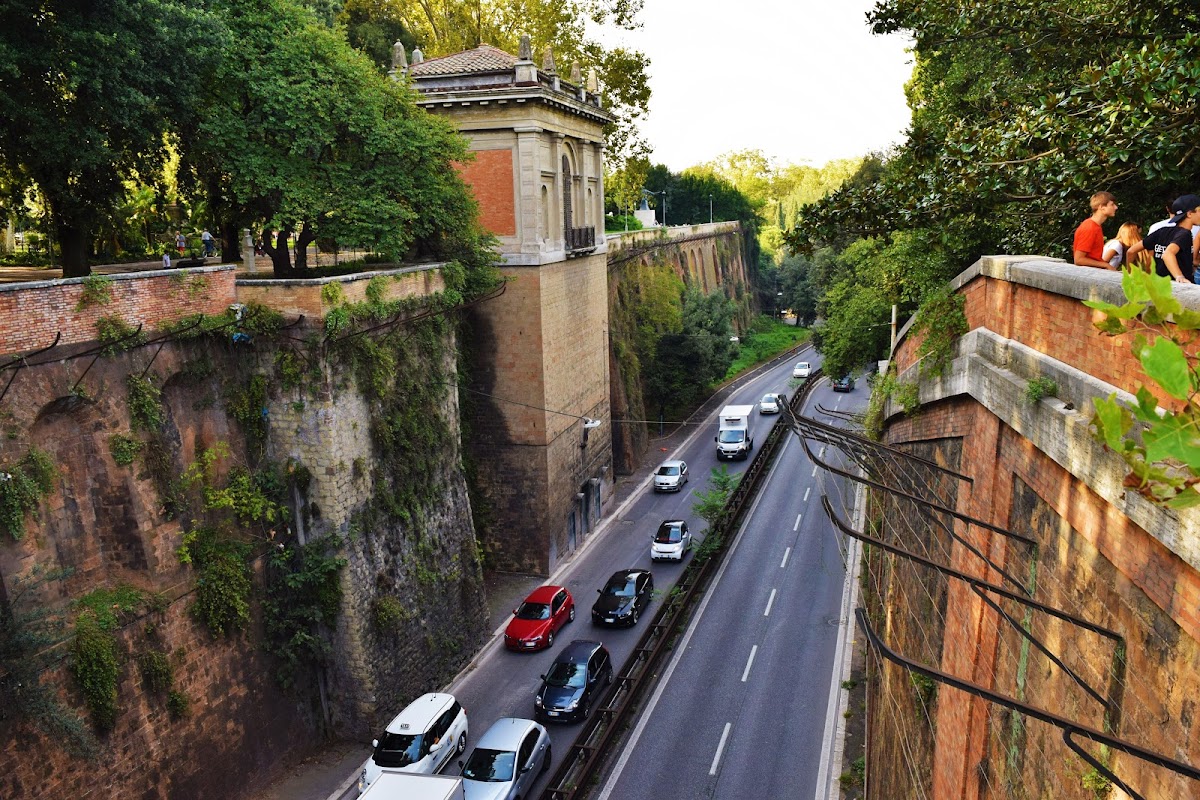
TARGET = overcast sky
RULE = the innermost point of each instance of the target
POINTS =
(805, 81)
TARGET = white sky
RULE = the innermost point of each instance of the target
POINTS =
(805, 81)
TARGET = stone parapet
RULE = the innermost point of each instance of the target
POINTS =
(295, 296)
(33, 313)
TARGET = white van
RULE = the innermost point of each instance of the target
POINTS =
(423, 738)
(411, 786)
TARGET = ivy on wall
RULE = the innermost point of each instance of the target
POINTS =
(22, 487)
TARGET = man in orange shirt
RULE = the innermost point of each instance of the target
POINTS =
(1089, 236)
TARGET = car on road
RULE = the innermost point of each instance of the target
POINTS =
(507, 761)
(843, 384)
(543, 613)
(670, 476)
(802, 370)
(624, 597)
(671, 541)
(574, 682)
(424, 737)
(770, 404)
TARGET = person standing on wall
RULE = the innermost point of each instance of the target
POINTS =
(1088, 247)
(1172, 244)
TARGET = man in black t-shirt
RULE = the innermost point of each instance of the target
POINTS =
(1172, 245)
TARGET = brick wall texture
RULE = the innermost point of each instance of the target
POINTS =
(490, 176)
(1090, 561)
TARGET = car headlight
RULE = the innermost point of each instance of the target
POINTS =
(574, 704)
(537, 700)
(362, 781)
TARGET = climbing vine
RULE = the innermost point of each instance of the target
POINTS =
(96, 291)
(303, 596)
(146, 411)
(22, 487)
(95, 654)
(940, 320)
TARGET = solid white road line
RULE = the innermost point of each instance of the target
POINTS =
(749, 663)
(720, 746)
(786, 553)
(770, 602)
(796, 527)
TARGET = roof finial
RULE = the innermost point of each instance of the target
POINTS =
(593, 84)
(576, 73)
(399, 60)
(548, 61)
(525, 48)
(418, 56)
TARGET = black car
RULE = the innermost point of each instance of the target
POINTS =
(576, 678)
(623, 598)
(843, 384)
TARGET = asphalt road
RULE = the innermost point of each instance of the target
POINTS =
(503, 683)
(743, 707)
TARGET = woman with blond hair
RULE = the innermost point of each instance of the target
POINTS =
(1114, 250)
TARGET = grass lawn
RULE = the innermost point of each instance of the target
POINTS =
(755, 348)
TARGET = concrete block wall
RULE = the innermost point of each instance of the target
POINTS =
(1104, 554)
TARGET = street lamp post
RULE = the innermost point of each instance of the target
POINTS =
(710, 209)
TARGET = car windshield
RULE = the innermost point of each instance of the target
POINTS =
(621, 587)
(664, 470)
(564, 673)
(768, 399)
(669, 534)
(490, 765)
(533, 611)
(802, 365)
(731, 437)
(398, 749)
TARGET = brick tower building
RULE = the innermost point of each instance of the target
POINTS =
(538, 387)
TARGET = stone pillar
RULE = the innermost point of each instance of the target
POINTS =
(529, 191)
(248, 250)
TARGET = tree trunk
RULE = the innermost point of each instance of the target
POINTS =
(72, 241)
(281, 259)
(231, 242)
(307, 236)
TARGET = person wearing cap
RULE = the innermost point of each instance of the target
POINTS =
(1171, 244)
(1162, 223)
(1088, 247)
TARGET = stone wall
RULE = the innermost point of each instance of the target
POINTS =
(109, 523)
(1102, 554)
(296, 296)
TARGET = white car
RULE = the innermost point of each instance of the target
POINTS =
(424, 737)
(671, 541)
(507, 761)
(670, 476)
(802, 370)
(770, 404)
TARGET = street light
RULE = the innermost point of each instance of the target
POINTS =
(710, 209)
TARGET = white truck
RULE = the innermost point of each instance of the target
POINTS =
(414, 786)
(733, 436)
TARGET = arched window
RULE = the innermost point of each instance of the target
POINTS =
(544, 214)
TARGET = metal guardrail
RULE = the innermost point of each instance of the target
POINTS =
(580, 767)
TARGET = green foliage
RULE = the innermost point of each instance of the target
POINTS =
(156, 669)
(179, 704)
(888, 387)
(685, 364)
(765, 343)
(146, 410)
(1163, 455)
(925, 689)
(939, 321)
(710, 504)
(1040, 387)
(304, 595)
(222, 599)
(124, 449)
(22, 487)
(388, 613)
(117, 335)
(96, 291)
(1097, 784)
(333, 294)
(247, 404)
(108, 606)
(29, 631)
(96, 665)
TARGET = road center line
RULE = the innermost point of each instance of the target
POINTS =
(786, 553)
(749, 663)
(720, 746)
(814, 471)
(796, 527)
(809, 489)
(770, 601)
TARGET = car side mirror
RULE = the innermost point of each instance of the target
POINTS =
(543, 677)
(715, 438)
(461, 764)
(526, 768)
(433, 748)
(514, 612)
(374, 743)
(599, 591)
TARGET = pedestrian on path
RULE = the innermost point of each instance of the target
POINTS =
(207, 239)
(180, 242)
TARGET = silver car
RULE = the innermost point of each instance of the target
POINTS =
(769, 404)
(507, 761)
(802, 370)
(670, 476)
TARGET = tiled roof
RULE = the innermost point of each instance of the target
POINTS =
(484, 58)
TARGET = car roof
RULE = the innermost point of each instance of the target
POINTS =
(625, 574)
(578, 650)
(674, 462)
(543, 594)
(801, 363)
(506, 733)
(420, 712)
(671, 522)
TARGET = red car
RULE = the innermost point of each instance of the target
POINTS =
(535, 621)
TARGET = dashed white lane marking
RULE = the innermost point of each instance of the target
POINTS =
(786, 553)
(796, 527)
(720, 747)
(749, 663)
(770, 602)
(814, 474)
(806, 493)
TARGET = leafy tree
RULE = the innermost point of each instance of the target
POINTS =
(623, 185)
(87, 94)
(374, 26)
(685, 364)
(307, 137)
